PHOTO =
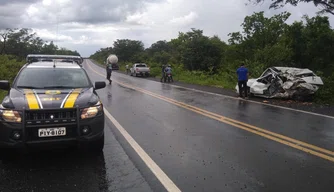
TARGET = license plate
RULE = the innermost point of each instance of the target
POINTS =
(52, 132)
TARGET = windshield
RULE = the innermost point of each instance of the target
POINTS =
(49, 78)
(141, 65)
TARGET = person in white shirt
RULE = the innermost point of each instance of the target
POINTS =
(127, 69)
(109, 70)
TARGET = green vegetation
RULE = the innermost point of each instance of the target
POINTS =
(15, 45)
(9, 66)
(262, 43)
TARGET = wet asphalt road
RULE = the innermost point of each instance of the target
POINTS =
(197, 152)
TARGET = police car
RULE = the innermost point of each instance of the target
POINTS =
(52, 102)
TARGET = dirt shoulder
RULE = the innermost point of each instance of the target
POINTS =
(305, 106)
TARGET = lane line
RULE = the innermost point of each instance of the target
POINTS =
(256, 130)
(157, 171)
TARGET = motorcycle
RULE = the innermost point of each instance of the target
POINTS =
(169, 78)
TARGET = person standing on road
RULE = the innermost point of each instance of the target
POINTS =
(163, 76)
(109, 70)
(127, 69)
(242, 73)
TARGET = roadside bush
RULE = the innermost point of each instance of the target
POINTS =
(325, 93)
(9, 67)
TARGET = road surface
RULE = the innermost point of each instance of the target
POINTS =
(160, 137)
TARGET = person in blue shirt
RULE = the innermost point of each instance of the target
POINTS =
(168, 70)
(242, 73)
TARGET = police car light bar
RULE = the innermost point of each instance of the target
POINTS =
(60, 58)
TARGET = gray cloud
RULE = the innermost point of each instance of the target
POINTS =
(6, 2)
(11, 11)
(85, 11)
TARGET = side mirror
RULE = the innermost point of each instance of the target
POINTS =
(4, 84)
(100, 84)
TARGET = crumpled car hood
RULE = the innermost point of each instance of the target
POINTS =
(284, 82)
(296, 73)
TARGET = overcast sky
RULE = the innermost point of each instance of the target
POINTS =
(88, 25)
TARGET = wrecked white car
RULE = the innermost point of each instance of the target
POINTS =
(284, 82)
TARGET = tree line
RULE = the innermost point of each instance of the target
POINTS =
(20, 42)
(263, 42)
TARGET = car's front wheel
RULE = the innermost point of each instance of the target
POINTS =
(94, 147)
(97, 146)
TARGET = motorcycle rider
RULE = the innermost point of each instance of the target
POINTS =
(168, 70)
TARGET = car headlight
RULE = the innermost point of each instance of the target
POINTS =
(91, 111)
(10, 116)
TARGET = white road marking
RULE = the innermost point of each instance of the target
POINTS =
(163, 178)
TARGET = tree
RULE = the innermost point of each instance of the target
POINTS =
(50, 48)
(159, 46)
(264, 31)
(294, 37)
(326, 5)
(102, 54)
(319, 44)
(261, 41)
(64, 51)
(197, 51)
(23, 41)
(4, 35)
(127, 50)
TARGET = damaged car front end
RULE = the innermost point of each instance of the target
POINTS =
(285, 83)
